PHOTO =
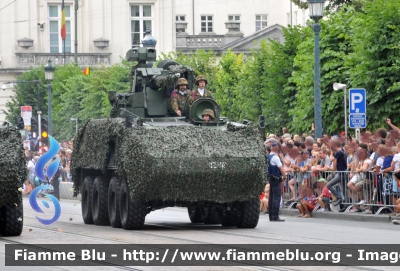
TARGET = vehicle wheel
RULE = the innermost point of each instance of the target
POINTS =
(11, 223)
(248, 214)
(195, 215)
(228, 218)
(132, 213)
(87, 191)
(211, 215)
(114, 191)
(100, 202)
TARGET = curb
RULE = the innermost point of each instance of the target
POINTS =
(341, 216)
(66, 191)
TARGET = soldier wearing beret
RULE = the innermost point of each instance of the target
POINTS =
(179, 96)
(201, 82)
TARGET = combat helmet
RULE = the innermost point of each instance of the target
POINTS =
(201, 78)
(182, 81)
(208, 112)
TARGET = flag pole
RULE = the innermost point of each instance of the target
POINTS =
(76, 33)
(63, 31)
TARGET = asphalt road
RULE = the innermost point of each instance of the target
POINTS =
(172, 226)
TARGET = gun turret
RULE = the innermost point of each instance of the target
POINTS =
(150, 87)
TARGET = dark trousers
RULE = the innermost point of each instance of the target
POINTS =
(56, 185)
(274, 200)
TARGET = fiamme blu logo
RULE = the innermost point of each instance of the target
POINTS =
(45, 175)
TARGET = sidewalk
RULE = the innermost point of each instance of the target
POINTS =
(344, 216)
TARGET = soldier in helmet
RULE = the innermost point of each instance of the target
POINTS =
(179, 96)
(208, 115)
(201, 82)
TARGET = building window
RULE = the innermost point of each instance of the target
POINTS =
(304, 17)
(261, 22)
(141, 20)
(56, 43)
(180, 18)
(233, 17)
(206, 23)
(295, 18)
(288, 19)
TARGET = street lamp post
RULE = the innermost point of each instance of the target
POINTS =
(76, 123)
(338, 86)
(49, 75)
(316, 8)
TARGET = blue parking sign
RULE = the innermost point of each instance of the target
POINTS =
(358, 101)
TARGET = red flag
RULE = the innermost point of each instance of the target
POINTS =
(63, 25)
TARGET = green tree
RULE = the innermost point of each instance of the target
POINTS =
(201, 61)
(61, 75)
(278, 65)
(332, 5)
(86, 97)
(27, 93)
(227, 91)
(375, 61)
(335, 45)
(74, 94)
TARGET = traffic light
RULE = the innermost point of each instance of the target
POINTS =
(20, 123)
(45, 131)
(34, 135)
(34, 125)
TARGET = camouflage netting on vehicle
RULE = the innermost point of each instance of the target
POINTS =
(181, 163)
(13, 171)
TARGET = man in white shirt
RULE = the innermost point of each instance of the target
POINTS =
(31, 167)
(201, 92)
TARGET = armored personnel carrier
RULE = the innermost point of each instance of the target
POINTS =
(13, 173)
(144, 157)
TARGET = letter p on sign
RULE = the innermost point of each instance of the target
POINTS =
(357, 101)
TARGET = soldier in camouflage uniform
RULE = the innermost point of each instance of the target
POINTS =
(179, 96)
(208, 115)
(201, 82)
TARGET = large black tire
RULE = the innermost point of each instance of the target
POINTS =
(100, 202)
(228, 218)
(132, 213)
(211, 216)
(87, 191)
(249, 213)
(11, 222)
(164, 64)
(114, 202)
(195, 215)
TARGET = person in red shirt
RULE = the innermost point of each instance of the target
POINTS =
(264, 200)
(324, 198)
(307, 202)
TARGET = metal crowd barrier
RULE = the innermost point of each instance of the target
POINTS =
(373, 192)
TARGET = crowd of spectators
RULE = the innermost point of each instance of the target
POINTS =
(62, 174)
(335, 171)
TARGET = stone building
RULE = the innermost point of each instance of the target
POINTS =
(106, 29)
